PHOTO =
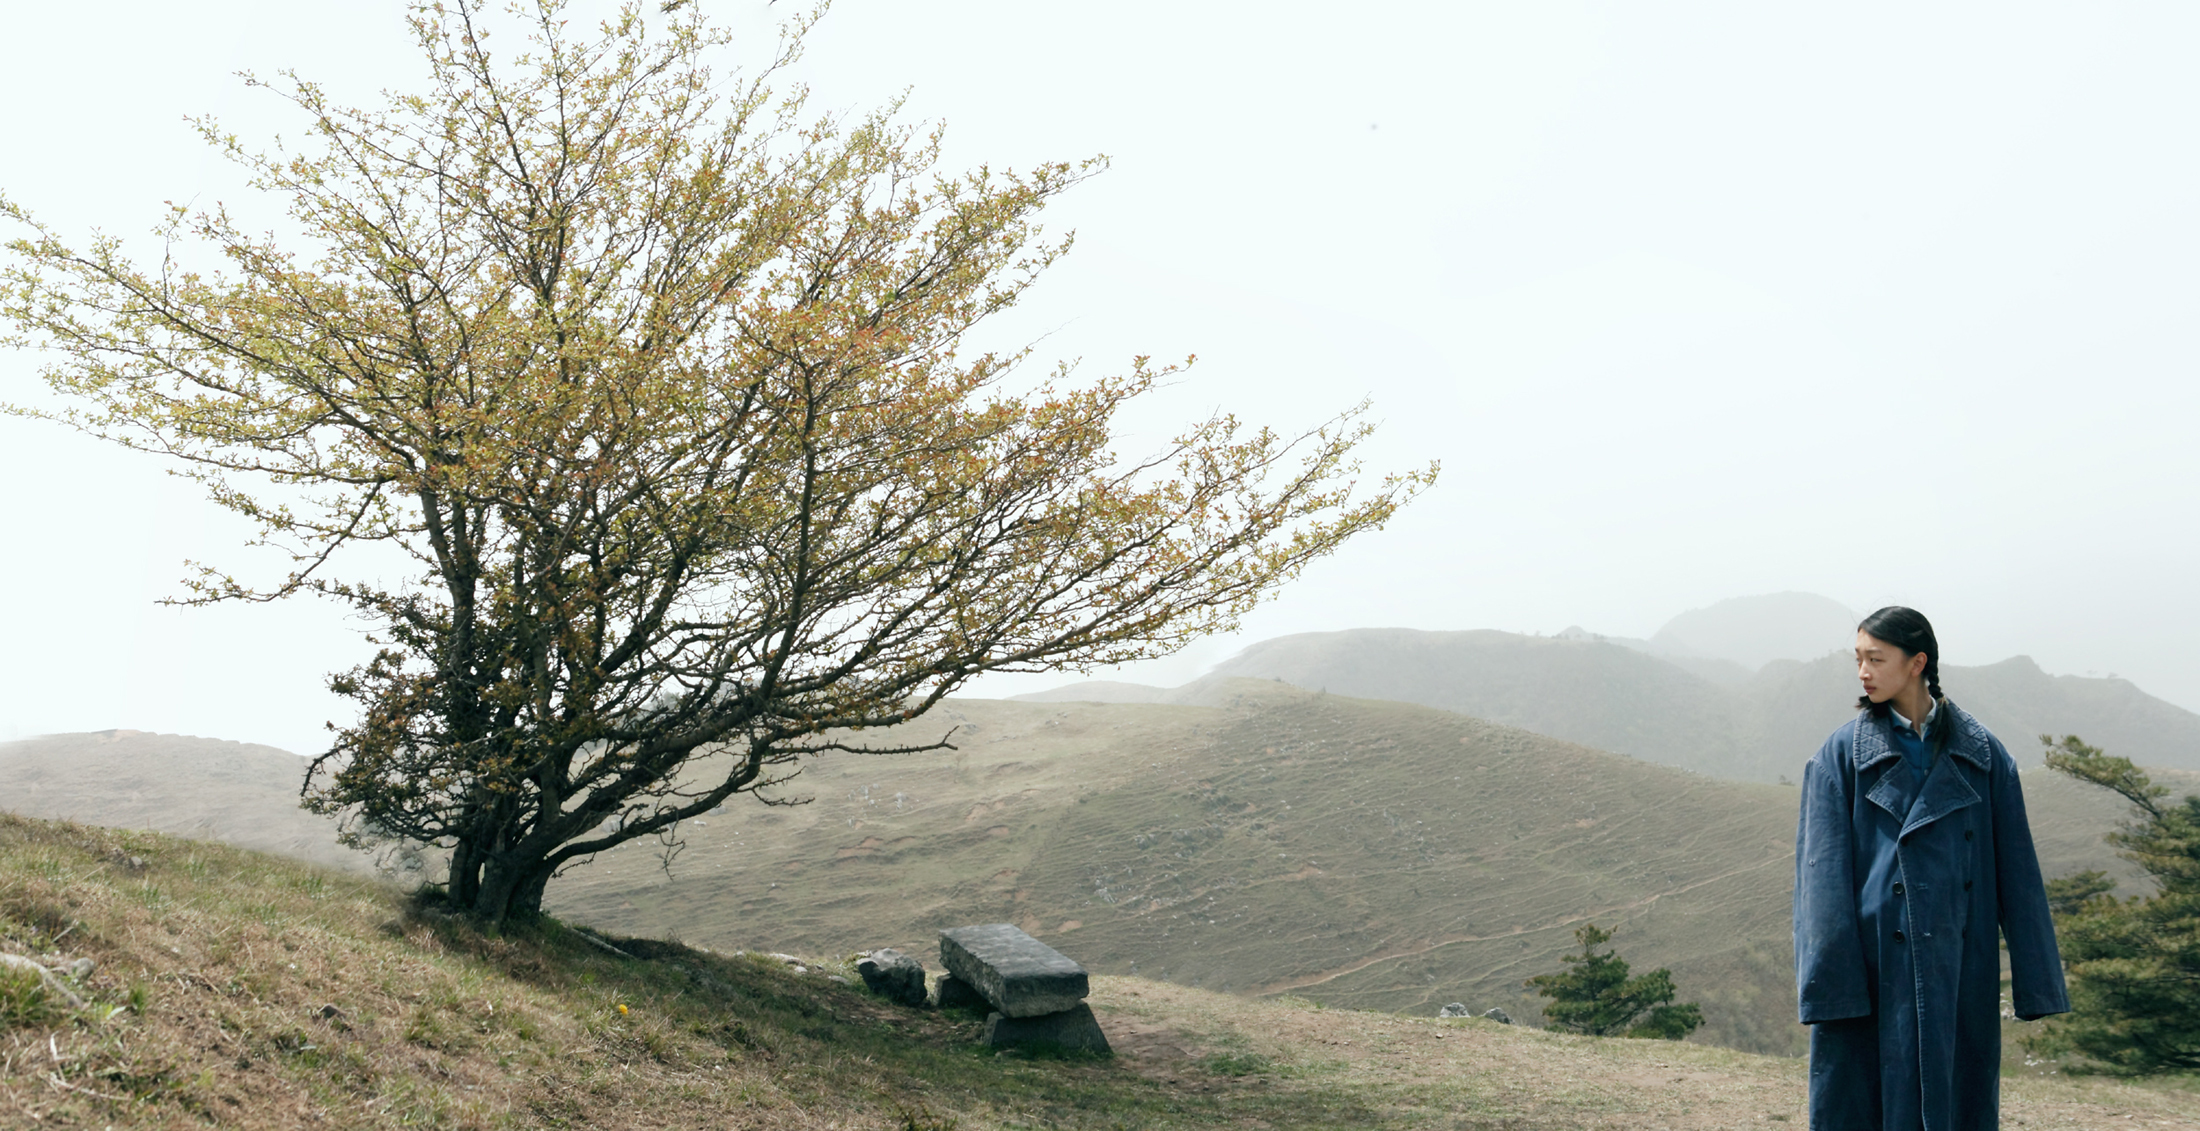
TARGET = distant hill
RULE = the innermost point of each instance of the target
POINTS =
(204, 788)
(1100, 691)
(1754, 631)
(1614, 697)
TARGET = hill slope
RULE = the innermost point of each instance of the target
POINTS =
(243, 991)
(1753, 631)
(1352, 852)
(1358, 853)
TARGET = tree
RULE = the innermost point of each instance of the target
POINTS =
(664, 391)
(1597, 997)
(2134, 963)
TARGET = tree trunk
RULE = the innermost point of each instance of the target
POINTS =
(508, 890)
(465, 881)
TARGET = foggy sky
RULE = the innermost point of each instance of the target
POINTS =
(1889, 303)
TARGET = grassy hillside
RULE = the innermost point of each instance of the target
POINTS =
(1364, 854)
(1611, 697)
(1369, 854)
(240, 990)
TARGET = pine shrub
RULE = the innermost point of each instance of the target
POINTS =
(1594, 995)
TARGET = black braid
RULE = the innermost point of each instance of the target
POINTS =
(1944, 720)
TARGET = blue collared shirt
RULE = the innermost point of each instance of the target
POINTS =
(1910, 739)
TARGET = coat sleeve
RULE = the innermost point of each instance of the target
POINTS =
(2035, 964)
(1830, 978)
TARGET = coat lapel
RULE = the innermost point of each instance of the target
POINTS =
(1945, 792)
(1945, 788)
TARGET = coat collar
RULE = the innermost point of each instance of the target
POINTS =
(1943, 791)
(1967, 738)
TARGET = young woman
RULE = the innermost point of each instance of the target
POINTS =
(1911, 855)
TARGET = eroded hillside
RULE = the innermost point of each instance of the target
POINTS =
(1356, 853)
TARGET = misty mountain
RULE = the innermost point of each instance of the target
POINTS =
(1751, 632)
(1615, 697)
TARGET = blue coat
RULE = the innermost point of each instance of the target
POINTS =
(1899, 886)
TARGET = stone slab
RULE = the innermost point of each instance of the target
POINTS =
(1017, 974)
(1076, 1029)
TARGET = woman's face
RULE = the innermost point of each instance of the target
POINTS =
(1885, 669)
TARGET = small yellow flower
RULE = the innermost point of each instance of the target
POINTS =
(622, 1010)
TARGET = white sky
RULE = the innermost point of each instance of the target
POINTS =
(1886, 302)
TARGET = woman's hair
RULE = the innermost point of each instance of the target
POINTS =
(1908, 630)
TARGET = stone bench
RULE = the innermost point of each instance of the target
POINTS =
(1037, 992)
(1016, 974)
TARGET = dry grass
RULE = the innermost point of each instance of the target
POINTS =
(245, 991)
(239, 990)
(1417, 1072)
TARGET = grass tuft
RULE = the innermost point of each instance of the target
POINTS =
(25, 1002)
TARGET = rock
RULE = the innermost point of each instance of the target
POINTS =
(1074, 1028)
(1455, 1009)
(1498, 1015)
(954, 993)
(894, 976)
(81, 969)
(1018, 975)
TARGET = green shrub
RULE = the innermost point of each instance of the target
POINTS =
(1597, 997)
(2134, 963)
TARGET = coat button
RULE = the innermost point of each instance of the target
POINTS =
(1967, 885)
(1898, 887)
(1898, 936)
(1966, 834)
